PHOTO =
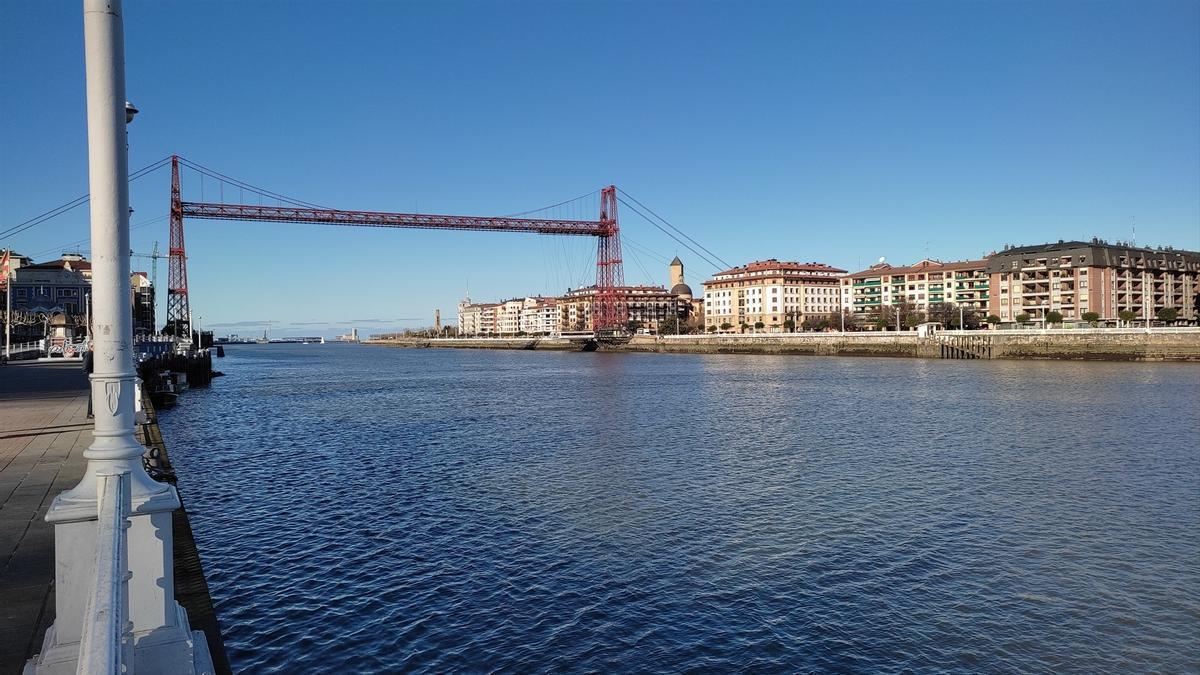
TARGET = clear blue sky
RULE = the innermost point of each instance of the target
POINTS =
(829, 131)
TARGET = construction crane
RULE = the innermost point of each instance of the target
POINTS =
(155, 257)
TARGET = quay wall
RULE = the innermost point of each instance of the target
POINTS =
(1124, 345)
(814, 344)
(191, 584)
(1130, 344)
(1159, 344)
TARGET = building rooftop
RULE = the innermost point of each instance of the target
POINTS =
(927, 265)
(70, 263)
(773, 265)
(1097, 243)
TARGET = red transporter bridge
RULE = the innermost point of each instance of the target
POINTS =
(609, 308)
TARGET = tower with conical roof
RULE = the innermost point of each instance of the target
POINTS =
(678, 286)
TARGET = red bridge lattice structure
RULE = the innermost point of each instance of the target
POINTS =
(609, 307)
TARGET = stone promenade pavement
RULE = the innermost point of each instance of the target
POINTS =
(44, 430)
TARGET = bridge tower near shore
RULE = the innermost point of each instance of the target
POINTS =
(179, 314)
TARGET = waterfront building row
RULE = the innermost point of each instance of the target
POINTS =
(1092, 281)
(62, 288)
(1107, 283)
(648, 308)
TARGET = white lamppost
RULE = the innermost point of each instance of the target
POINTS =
(161, 635)
(110, 306)
(7, 310)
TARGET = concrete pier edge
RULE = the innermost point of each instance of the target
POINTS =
(191, 585)
(1073, 345)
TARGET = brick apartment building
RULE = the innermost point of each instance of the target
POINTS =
(1076, 277)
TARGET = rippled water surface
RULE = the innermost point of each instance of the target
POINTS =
(371, 509)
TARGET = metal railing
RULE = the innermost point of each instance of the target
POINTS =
(104, 644)
(1156, 330)
(22, 347)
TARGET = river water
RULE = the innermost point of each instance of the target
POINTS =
(364, 509)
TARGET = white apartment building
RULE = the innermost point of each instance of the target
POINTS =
(772, 293)
(539, 316)
(928, 282)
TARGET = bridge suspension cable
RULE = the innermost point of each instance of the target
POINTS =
(77, 202)
(681, 232)
(681, 242)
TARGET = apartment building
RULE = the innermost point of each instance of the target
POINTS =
(142, 295)
(508, 316)
(1075, 277)
(58, 286)
(468, 317)
(770, 292)
(63, 286)
(539, 316)
(478, 319)
(928, 282)
(646, 305)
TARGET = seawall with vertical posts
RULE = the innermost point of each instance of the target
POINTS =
(1100, 344)
(1157, 344)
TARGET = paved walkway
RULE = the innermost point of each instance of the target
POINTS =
(43, 432)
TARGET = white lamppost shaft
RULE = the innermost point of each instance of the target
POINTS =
(162, 638)
(8, 320)
(113, 374)
(108, 170)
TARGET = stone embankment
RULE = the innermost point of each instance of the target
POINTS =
(1158, 344)
(1127, 344)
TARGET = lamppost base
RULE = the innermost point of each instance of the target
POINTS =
(176, 652)
(161, 637)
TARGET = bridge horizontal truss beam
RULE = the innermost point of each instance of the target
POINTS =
(292, 214)
(610, 310)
